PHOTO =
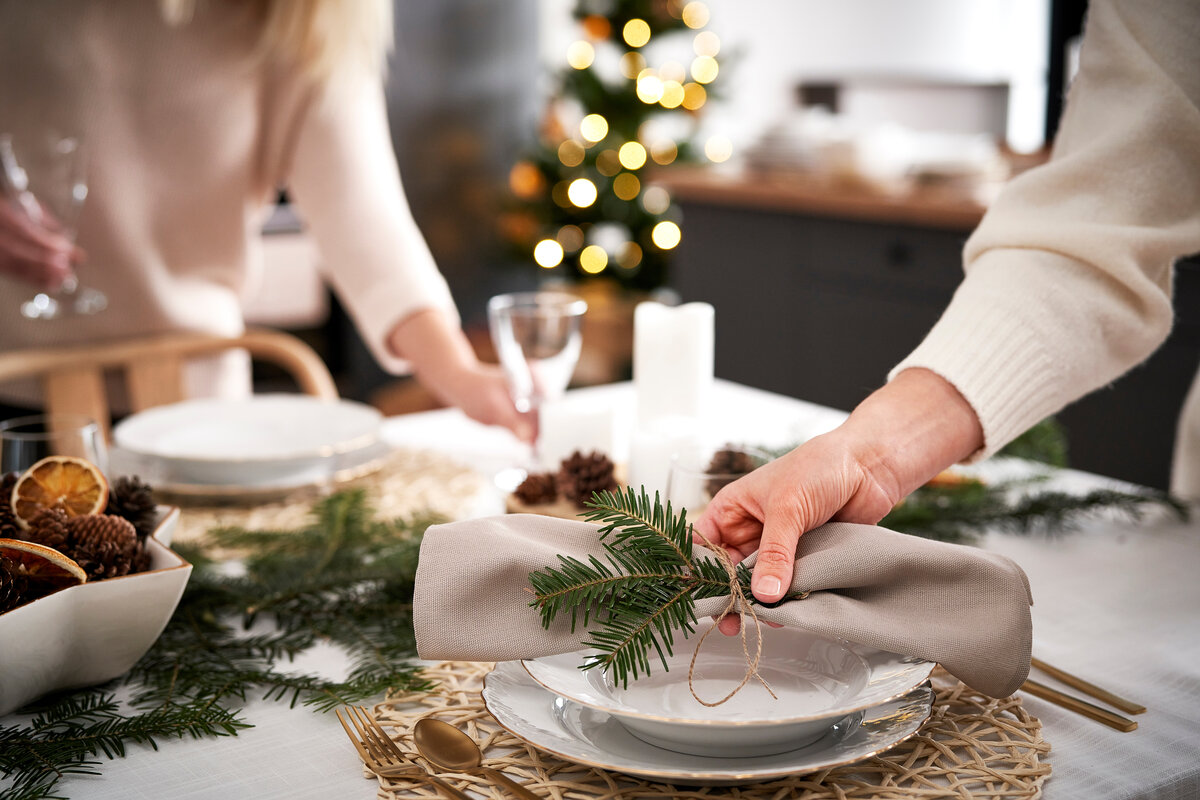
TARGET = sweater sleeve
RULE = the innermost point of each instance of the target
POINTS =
(1068, 277)
(346, 182)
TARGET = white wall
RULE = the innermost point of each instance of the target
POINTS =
(770, 45)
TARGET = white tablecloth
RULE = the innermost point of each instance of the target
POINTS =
(1116, 603)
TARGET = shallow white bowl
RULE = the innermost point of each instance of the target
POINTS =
(91, 633)
(818, 682)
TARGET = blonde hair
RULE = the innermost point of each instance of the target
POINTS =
(319, 35)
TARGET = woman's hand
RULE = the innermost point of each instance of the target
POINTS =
(444, 362)
(898, 438)
(32, 253)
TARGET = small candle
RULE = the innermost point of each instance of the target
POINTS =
(672, 360)
(652, 447)
(571, 424)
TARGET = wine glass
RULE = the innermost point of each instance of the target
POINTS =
(697, 473)
(26, 440)
(44, 178)
(538, 337)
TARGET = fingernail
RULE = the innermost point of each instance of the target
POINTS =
(768, 586)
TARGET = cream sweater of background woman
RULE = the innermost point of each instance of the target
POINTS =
(190, 134)
(1068, 278)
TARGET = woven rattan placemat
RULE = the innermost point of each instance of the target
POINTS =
(971, 747)
(407, 482)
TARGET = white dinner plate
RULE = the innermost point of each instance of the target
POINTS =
(816, 680)
(594, 738)
(261, 442)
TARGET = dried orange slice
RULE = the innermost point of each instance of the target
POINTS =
(40, 563)
(76, 486)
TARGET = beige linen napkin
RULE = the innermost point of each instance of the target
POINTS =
(963, 607)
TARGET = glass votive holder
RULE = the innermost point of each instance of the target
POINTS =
(26, 440)
(697, 473)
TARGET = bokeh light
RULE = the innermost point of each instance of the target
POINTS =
(649, 87)
(695, 14)
(571, 153)
(636, 32)
(694, 96)
(666, 235)
(526, 180)
(626, 186)
(608, 163)
(593, 127)
(548, 253)
(582, 192)
(570, 237)
(718, 149)
(672, 96)
(593, 259)
(559, 194)
(704, 69)
(632, 155)
(673, 71)
(656, 200)
(706, 43)
(597, 27)
(630, 256)
(581, 54)
(632, 63)
(664, 152)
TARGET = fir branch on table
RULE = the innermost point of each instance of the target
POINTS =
(642, 592)
(345, 578)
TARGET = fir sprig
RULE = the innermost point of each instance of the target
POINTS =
(644, 589)
(345, 578)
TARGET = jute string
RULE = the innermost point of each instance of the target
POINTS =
(971, 748)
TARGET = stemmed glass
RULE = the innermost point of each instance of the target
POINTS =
(26, 440)
(538, 337)
(44, 178)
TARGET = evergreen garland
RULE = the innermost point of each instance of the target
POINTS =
(345, 578)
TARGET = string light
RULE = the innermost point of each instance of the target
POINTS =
(636, 32)
(559, 194)
(718, 149)
(582, 192)
(649, 87)
(695, 15)
(704, 69)
(571, 153)
(525, 180)
(608, 163)
(632, 155)
(593, 127)
(694, 96)
(626, 186)
(666, 234)
(672, 96)
(706, 43)
(597, 27)
(581, 54)
(656, 200)
(548, 253)
(570, 237)
(631, 64)
(593, 259)
(630, 256)
(664, 153)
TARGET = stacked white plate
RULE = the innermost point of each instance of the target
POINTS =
(261, 443)
(835, 703)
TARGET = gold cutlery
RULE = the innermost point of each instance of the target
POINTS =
(1075, 682)
(449, 748)
(383, 756)
(1071, 703)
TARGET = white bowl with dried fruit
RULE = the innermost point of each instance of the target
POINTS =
(88, 581)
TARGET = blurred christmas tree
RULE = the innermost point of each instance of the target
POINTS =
(627, 103)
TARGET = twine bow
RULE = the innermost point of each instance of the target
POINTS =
(739, 601)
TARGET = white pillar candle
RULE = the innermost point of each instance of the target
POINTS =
(672, 360)
(571, 424)
(652, 447)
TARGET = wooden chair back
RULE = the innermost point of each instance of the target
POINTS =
(72, 377)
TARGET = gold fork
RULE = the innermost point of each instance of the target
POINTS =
(382, 755)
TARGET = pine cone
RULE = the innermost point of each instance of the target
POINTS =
(141, 559)
(13, 588)
(580, 475)
(537, 488)
(729, 464)
(9, 529)
(133, 500)
(50, 528)
(103, 544)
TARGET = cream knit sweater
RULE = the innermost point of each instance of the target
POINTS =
(1068, 277)
(189, 137)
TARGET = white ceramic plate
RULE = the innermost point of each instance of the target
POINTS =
(593, 738)
(91, 633)
(816, 680)
(261, 442)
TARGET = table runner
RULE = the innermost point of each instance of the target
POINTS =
(971, 747)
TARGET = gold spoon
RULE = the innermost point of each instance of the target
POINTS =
(447, 747)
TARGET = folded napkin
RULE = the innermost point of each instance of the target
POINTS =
(962, 607)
